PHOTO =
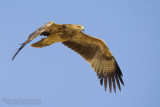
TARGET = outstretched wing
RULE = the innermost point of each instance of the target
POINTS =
(40, 31)
(95, 52)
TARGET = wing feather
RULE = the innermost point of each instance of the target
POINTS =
(38, 32)
(105, 82)
(117, 80)
(102, 61)
(114, 85)
(110, 85)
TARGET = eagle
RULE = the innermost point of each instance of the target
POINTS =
(92, 49)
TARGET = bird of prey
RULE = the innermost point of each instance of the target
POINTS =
(93, 50)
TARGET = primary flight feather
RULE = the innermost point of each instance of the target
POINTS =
(93, 50)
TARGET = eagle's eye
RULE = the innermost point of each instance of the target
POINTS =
(79, 26)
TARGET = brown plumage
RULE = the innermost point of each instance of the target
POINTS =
(93, 50)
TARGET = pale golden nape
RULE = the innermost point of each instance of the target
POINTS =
(93, 50)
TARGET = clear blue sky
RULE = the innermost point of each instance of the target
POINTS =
(61, 78)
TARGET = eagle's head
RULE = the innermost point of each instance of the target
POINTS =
(78, 28)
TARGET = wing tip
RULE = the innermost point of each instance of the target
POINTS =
(113, 81)
(13, 58)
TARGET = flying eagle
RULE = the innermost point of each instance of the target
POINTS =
(93, 50)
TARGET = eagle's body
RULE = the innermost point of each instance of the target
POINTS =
(93, 50)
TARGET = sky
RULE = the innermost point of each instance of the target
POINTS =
(57, 76)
